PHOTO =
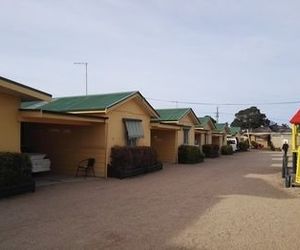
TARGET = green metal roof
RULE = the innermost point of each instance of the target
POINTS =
(80, 103)
(205, 121)
(172, 114)
(234, 130)
(220, 127)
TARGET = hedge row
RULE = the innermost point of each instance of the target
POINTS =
(129, 161)
(226, 150)
(188, 154)
(15, 174)
(243, 146)
(15, 168)
(211, 150)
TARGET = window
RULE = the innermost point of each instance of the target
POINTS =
(186, 135)
(134, 131)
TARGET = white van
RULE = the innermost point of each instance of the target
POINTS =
(233, 143)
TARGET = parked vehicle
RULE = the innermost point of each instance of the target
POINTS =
(233, 142)
(40, 162)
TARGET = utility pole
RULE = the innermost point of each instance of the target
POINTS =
(217, 114)
(86, 75)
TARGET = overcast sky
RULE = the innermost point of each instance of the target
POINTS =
(212, 51)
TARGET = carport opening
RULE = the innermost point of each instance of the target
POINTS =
(164, 142)
(65, 145)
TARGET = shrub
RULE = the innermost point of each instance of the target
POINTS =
(121, 158)
(144, 156)
(210, 150)
(243, 146)
(188, 154)
(15, 169)
(128, 161)
(254, 144)
(226, 150)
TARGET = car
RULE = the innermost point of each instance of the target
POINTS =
(40, 162)
(233, 142)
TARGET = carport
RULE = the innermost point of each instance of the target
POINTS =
(65, 138)
(218, 139)
(164, 141)
(202, 137)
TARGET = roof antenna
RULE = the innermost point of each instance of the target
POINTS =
(217, 114)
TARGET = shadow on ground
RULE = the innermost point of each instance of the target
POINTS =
(181, 207)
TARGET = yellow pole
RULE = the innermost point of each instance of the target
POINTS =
(298, 167)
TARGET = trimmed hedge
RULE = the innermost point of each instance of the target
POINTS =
(211, 150)
(243, 146)
(130, 161)
(189, 154)
(15, 174)
(226, 150)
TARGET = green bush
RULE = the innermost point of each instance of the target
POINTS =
(128, 161)
(226, 150)
(121, 157)
(15, 169)
(243, 146)
(188, 154)
(211, 150)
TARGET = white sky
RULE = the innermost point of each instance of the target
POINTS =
(216, 51)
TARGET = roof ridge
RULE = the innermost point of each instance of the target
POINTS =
(187, 110)
(174, 109)
(124, 98)
(111, 93)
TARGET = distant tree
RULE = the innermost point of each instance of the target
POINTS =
(284, 125)
(272, 123)
(279, 128)
(250, 118)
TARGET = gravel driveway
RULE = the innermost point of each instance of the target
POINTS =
(234, 202)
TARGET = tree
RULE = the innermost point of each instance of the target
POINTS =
(250, 118)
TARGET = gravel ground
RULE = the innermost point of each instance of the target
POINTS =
(234, 202)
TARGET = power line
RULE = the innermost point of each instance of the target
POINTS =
(224, 104)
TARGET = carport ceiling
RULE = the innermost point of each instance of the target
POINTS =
(58, 118)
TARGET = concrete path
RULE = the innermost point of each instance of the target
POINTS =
(234, 202)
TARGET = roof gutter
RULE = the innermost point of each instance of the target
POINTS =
(88, 112)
